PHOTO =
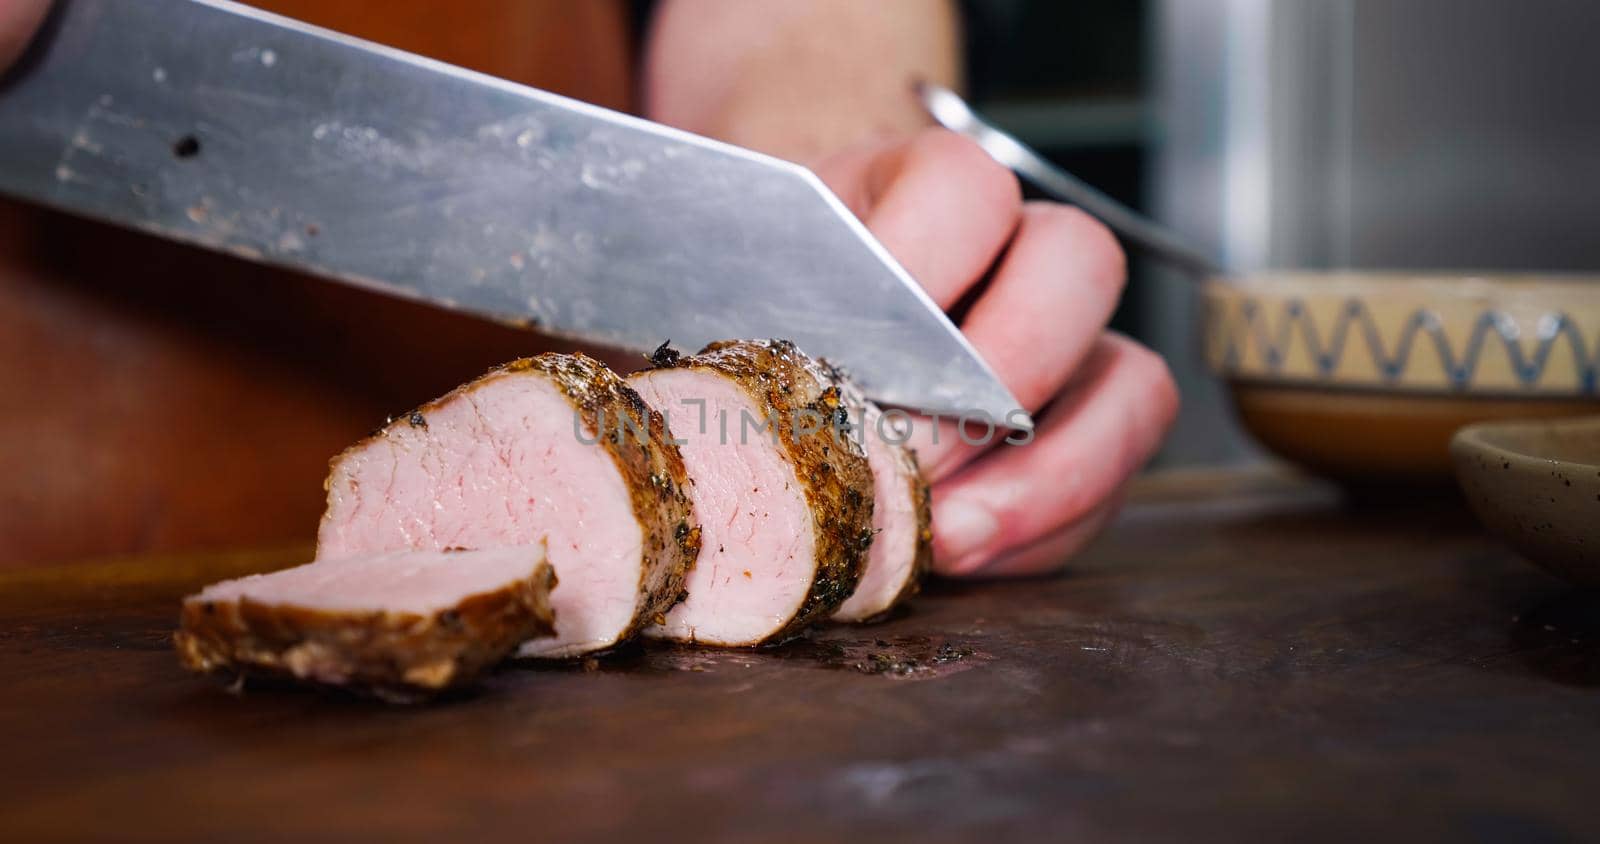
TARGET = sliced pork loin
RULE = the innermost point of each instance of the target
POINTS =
(785, 509)
(902, 546)
(554, 448)
(400, 625)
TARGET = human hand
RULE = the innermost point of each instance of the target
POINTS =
(19, 20)
(1101, 402)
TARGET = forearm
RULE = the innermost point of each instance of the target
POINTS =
(798, 78)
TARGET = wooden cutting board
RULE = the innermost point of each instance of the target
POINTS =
(1240, 658)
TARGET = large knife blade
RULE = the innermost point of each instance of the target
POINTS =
(220, 125)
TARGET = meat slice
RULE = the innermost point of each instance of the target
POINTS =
(517, 457)
(784, 496)
(902, 546)
(399, 625)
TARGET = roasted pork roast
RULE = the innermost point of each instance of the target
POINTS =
(732, 497)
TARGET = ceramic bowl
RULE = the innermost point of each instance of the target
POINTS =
(1364, 377)
(1536, 484)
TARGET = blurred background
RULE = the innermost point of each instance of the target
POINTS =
(1309, 134)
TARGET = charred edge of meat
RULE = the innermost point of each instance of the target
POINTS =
(922, 498)
(665, 357)
(399, 657)
(653, 471)
(831, 469)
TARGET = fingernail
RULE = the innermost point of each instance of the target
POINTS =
(961, 527)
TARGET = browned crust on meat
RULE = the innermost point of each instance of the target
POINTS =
(830, 465)
(651, 466)
(922, 500)
(397, 656)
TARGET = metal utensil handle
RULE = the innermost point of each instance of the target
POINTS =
(1132, 226)
(953, 113)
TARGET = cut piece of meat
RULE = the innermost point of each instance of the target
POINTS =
(554, 448)
(400, 625)
(784, 496)
(902, 546)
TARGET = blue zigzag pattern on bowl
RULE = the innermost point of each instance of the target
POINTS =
(1529, 369)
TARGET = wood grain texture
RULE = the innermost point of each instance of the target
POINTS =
(1239, 659)
(579, 50)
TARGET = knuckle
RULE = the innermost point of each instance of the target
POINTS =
(1159, 389)
(1164, 393)
(995, 185)
(1170, 397)
(1094, 241)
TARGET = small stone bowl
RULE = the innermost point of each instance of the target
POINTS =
(1536, 484)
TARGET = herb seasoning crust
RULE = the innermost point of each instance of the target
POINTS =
(829, 464)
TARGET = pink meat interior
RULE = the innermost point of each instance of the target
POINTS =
(421, 582)
(500, 464)
(757, 540)
(894, 519)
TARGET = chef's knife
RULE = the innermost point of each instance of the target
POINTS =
(220, 125)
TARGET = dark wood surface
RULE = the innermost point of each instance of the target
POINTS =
(1241, 657)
